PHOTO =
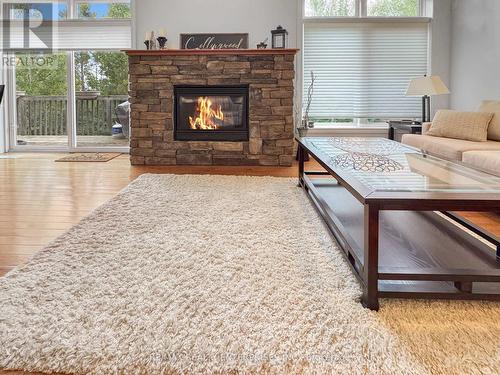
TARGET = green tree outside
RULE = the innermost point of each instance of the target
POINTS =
(35, 81)
(119, 11)
(332, 8)
(394, 8)
(376, 8)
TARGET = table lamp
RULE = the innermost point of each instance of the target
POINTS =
(426, 87)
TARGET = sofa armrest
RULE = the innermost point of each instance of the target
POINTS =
(425, 127)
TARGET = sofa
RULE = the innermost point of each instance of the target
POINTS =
(479, 155)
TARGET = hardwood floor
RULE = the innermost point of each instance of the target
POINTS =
(40, 199)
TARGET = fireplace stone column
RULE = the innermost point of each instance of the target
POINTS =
(270, 77)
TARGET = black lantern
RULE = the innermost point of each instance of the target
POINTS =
(280, 37)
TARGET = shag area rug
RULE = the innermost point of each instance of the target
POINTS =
(214, 275)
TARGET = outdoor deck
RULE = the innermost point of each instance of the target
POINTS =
(82, 140)
(42, 121)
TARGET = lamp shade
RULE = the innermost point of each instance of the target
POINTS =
(427, 86)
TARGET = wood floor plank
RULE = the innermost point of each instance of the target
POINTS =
(19, 248)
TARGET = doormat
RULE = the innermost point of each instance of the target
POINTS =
(90, 157)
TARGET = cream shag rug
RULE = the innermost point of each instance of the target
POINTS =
(213, 274)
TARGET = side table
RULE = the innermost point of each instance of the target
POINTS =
(398, 128)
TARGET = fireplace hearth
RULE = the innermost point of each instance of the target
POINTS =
(211, 113)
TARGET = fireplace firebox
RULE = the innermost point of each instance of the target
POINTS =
(211, 113)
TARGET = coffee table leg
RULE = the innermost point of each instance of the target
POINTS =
(370, 267)
(301, 154)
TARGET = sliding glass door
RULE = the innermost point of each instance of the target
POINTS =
(101, 99)
(79, 102)
(101, 83)
(41, 100)
(67, 90)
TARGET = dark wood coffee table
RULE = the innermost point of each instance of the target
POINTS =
(390, 208)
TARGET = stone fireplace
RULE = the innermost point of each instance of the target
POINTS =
(212, 107)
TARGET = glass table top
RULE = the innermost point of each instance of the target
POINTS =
(384, 165)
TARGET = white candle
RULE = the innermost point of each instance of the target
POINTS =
(148, 36)
(162, 32)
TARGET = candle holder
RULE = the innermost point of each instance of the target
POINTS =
(263, 44)
(148, 44)
(162, 41)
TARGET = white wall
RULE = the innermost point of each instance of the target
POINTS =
(255, 17)
(441, 49)
(475, 53)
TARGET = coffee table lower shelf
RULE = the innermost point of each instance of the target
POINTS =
(420, 254)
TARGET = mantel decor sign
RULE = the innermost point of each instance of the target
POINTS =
(214, 41)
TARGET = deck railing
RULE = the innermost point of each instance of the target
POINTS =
(47, 115)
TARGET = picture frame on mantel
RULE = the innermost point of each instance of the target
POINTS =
(214, 41)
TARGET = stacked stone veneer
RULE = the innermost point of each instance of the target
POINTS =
(271, 125)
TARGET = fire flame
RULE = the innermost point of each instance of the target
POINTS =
(206, 115)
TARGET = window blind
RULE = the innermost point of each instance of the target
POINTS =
(74, 35)
(363, 69)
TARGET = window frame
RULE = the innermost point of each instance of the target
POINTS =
(72, 6)
(361, 11)
(425, 16)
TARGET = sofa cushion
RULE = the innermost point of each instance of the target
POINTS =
(447, 148)
(469, 126)
(425, 127)
(488, 161)
(492, 106)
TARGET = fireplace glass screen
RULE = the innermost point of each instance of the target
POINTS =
(217, 113)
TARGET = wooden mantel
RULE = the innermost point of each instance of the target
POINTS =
(191, 52)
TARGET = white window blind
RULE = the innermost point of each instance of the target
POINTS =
(75, 35)
(363, 69)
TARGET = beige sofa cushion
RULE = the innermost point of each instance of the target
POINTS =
(470, 126)
(492, 106)
(451, 149)
(425, 127)
(488, 161)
